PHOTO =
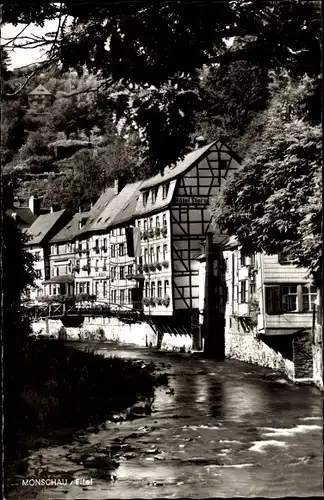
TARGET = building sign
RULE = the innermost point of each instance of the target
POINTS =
(191, 200)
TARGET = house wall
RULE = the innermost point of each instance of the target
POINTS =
(37, 252)
(191, 217)
(151, 242)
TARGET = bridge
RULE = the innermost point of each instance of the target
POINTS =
(64, 310)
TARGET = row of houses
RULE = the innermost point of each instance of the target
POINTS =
(142, 246)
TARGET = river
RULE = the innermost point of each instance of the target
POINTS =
(225, 429)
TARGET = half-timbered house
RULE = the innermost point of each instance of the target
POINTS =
(173, 215)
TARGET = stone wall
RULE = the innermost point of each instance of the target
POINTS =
(245, 347)
(318, 357)
(303, 355)
(174, 342)
(139, 334)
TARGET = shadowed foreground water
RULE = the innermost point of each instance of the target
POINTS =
(229, 429)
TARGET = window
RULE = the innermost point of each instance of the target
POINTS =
(112, 251)
(139, 223)
(104, 267)
(159, 289)
(130, 296)
(154, 194)
(113, 273)
(289, 298)
(121, 249)
(151, 222)
(165, 252)
(88, 288)
(145, 256)
(147, 288)
(252, 259)
(157, 221)
(122, 272)
(104, 245)
(38, 274)
(151, 255)
(54, 289)
(115, 296)
(309, 297)
(252, 289)
(284, 259)
(158, 254)
(153, 289)
(145, 197)
(96, 288)
(57, 271)
(242, 292)
(145, 224)
(164, 220)
(97, 265)
(130, 270)
(165, 190)
(273, 300)
(37, 256)
(56, 249)
(96, 246)
(105, 289)
(112, 295)
(122, 296)
(243, 259)
(166, 287)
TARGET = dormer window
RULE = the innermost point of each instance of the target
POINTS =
(154, 194)
(145, 197)
(165, 190)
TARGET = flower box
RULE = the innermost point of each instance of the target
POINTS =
(166, 301)
(145, 235)
(165, 263)
(151, 233)
(157, 231)
(159, 266)
(152, 267)
(164, 231)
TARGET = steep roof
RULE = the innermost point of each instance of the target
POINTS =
(69, 231)
(23, 215)
(117, 205)
(41, 227)
(129, 209)
(101, 204)
(40, 90)
(173, 172)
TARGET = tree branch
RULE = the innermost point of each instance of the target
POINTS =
(43, 66)
(15, 37)
(77, 92)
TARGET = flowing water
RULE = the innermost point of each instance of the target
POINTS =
(226, 429)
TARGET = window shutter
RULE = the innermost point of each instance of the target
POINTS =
(273, 300)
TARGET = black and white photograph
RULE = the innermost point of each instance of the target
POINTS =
(161, 249)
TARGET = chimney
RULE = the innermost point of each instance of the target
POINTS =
(116, 186)
(200, 141)
(34, 205)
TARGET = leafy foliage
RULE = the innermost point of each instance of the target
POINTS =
(151, 56)
(276, 192)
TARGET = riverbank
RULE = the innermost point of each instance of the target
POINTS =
(56, 390)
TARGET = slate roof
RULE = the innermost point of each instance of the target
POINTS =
(101, 204)
(42, 225)
(69, 231)
(129, 209)
(173, 172)
(23, 214)
(117, 205)
(40, 90)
